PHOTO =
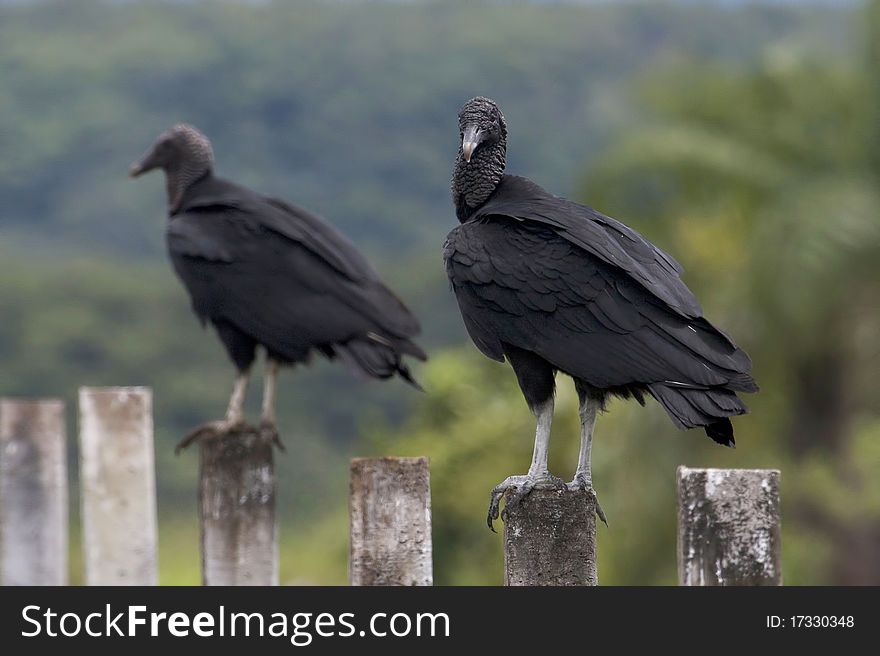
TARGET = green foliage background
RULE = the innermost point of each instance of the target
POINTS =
(743, 140)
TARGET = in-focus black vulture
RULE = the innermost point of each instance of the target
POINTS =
(267, 273)
(551, 286)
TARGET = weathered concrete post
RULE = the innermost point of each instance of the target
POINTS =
(117, 474)
(390, 522)
(728, 527)
(550, 539)
(237, 510)
(33, 492)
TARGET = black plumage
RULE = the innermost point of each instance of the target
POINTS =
(552, 285)
(593, 299)
(267, 273)
(275, 275)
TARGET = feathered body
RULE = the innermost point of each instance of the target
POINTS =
(552, 285)
(269, 273)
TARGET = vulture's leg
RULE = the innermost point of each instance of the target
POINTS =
(235, 409)
(537, 380)
(539, 475)
(583, 478)
(233, 421)
(268, 429)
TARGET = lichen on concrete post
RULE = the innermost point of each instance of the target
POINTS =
(390, 522)
(550, 539)
(728, 527)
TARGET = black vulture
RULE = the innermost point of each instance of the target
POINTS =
(267, 273)
(552, 285)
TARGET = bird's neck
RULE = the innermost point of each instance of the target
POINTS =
(179, 178)
(473, 182)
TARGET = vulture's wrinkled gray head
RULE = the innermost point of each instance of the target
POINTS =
(480, 123)
(482, 154)
(184, 154)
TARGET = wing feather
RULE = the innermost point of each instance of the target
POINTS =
(289, 282)
(523, 284)
(606, 238)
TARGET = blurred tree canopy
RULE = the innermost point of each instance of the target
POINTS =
(743, 140)
(348, 108)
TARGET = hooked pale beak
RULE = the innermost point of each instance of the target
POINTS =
(469, 141)
(146, 163)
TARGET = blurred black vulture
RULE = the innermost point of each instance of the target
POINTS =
(266, 273)
(551, 286)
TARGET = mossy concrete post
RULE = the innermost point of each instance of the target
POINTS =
(728, 527)
(239, 533)
(390, 522)
(550, 539)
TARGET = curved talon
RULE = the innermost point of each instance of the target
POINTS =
(210, 430)
(521, 493)
(521, 486)
(494, 503)
(581, 482)
(188, 439)
(196, 434)
(269, 432)
(599, 512)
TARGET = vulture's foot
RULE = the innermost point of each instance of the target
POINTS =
(583, 481)
(211, 431)
(269, 432)
(521, 486)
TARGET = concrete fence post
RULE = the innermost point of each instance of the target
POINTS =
(550, 539)
(237, 510)
(728, 527)
(117, 474)
(33, 492)
(390, 522)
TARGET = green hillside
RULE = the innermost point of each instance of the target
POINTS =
(739, 138)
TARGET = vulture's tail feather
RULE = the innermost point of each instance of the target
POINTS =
(710, 408)
(375, 359)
